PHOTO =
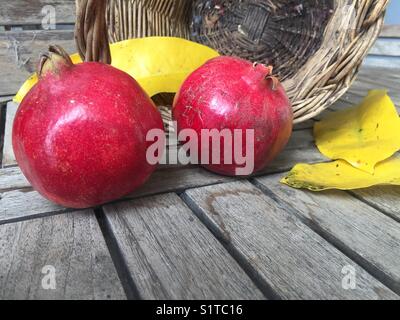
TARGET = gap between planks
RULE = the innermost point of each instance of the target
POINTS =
(368, 236)
(129, 286)
(170, 254)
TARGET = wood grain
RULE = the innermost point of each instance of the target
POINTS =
(20, 51)
(283, 253)
(177, 180)
(368, 79)
(171, 255)
(390, 31)
(8, 153)
(384, 198)
(364, 233)
(26, 12)
(72, 244)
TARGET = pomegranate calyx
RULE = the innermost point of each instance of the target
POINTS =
(268, 69)
(53, 61)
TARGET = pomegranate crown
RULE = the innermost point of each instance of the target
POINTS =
(269, 75)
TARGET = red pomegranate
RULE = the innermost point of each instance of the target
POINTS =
(229, 93)
(79, 135)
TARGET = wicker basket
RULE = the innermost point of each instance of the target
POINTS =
(315, 46)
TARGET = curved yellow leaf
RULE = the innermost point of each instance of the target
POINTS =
(159, 64)
(363, 135)
(341, 175)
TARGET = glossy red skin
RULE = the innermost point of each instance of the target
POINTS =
(232, 93)
(80, 136)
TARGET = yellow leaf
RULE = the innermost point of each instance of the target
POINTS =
(159, 64)
(341, 175)
(362, 135)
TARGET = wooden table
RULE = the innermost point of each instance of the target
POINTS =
(191, 234)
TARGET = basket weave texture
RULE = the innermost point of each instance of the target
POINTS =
(315, 46)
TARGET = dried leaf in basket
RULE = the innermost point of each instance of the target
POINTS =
(159, 64)
(362, 135)
(341, 175)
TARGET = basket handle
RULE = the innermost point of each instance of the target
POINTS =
(91, 33)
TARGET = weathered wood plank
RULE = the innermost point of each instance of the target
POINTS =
(390, 31)
(177, 180)
(341, 104)
(350, 99)
(283, 253)
(289, 158)
(368, 236)
(13, 179)
(25, 12)
(304, 125)
(386, 47)
(381, 75)
(8, 153)
(375, 78)
(301, 139)
(382, 62)
(171, 255)
(18, 201)
(384, 198)
(20, 51)
(73, 244)
(347, 101)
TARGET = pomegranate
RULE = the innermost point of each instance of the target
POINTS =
(79, 135)
(229, 93)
